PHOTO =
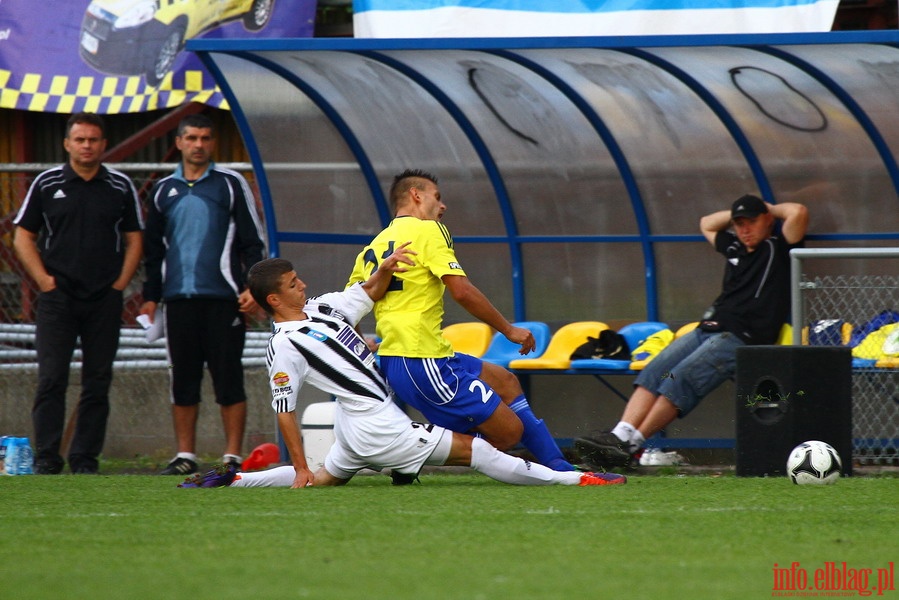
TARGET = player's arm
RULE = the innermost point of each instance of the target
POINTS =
(290, 433)
(25, 244)
(376, 285)
(285, 370)
(711, 224)
(469, 297)
(794, 217)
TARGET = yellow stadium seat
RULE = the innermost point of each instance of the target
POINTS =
(561, 345)
(469, 338)
(686, 329)
(785, 337)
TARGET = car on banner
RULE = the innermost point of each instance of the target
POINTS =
(134, 37)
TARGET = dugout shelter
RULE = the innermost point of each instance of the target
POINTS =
(575, 170)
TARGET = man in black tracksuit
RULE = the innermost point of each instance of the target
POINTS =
(78, 234)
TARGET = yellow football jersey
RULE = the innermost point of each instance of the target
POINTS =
(410, 315)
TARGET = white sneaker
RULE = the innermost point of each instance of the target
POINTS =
(648, 457)
(655, 457)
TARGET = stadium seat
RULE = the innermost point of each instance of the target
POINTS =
(561, 345)
(501, 351)
(634, 334)
(469, 338)
(686, 329)
(651, 347)
(785, 337)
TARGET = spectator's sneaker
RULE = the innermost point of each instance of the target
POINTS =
(602, 479)
(655, 457)
(85, 470)
(604, 450)
(180, 466)
(48, 467)
(220, 476)
(398, 478)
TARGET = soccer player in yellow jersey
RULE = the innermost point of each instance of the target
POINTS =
(456, 391)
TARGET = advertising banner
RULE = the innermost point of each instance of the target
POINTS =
(119, 56)
(563, 18)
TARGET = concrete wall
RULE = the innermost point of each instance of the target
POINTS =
(140, 421)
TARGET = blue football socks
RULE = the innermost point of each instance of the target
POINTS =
(537, 438)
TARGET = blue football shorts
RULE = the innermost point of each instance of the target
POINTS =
(447, 391)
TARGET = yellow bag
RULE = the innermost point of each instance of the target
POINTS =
(650, 347)
(879, 344)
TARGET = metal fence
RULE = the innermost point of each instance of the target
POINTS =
(17, 291)
(844, 301)
(140, 421)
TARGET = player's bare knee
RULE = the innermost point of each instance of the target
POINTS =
(503, 382)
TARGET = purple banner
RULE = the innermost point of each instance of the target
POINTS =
(117, 56)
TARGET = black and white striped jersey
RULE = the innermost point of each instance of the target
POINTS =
(326, 351)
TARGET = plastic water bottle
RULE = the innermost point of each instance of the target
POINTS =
(3, 444)
(19, 457)
(26, 457)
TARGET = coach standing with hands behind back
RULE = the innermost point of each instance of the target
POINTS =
(203, 235)
(78, 234)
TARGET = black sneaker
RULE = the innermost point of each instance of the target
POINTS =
(85, 470)
(398, 478)
(82, 464)
(233, 462)
(180, 466)
(48, 467)
(603, 451)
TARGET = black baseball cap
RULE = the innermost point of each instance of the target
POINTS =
(748, 206)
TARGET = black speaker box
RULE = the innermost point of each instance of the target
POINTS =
(787, 395)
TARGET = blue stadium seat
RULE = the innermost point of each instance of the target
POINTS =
(502, 351)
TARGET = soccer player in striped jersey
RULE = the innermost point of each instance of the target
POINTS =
(453, 390)
(315, 341)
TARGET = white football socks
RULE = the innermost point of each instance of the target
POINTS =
(510, 469)
(277, 477)
(629, 434)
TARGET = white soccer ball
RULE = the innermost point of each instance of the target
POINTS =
(814, 462)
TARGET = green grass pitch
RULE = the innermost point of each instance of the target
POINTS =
(453, 536)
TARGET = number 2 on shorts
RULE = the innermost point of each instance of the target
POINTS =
(486, 393)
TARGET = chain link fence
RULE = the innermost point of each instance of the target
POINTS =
(858, 291)
(140, 417)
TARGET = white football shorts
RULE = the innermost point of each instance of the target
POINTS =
(384, 437)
